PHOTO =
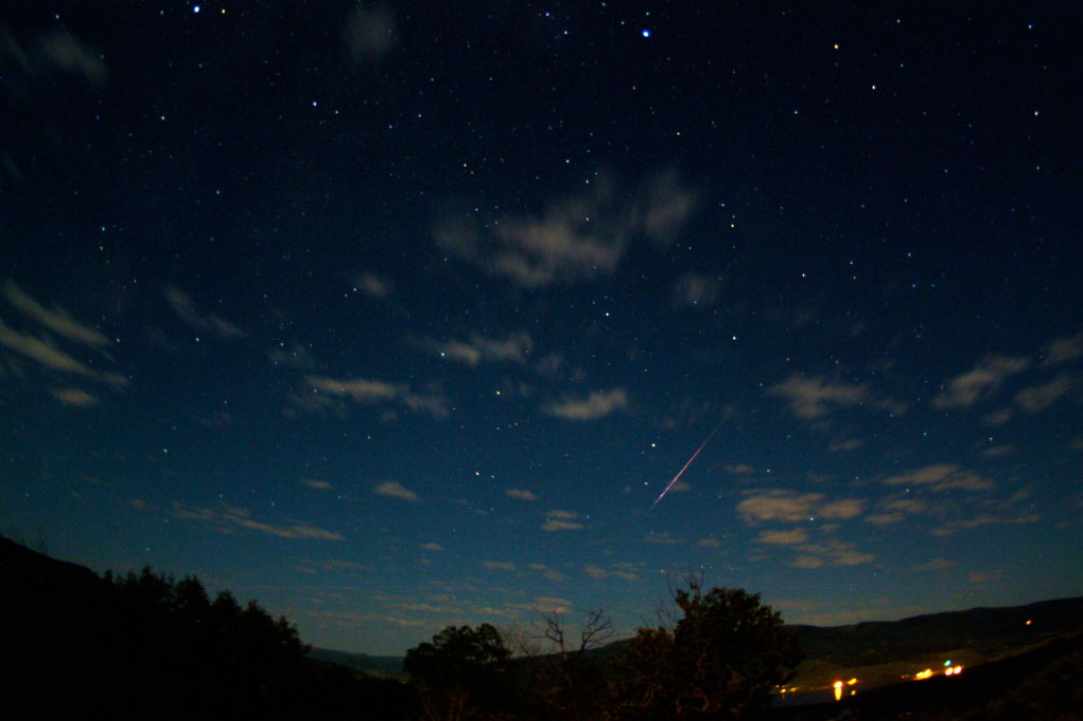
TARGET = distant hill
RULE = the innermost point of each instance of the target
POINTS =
(384, 665)
(988, 632)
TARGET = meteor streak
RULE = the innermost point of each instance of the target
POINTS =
(685, 467)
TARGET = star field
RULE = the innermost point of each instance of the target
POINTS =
(393, 317)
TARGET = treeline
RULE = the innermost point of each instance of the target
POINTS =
(722, 658)
(143, 645)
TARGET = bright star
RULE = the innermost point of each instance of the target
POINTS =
(645, 32)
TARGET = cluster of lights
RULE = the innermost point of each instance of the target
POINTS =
(949, 670)
(839, 685)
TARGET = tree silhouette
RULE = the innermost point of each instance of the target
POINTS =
(722, 660)
(460, 673)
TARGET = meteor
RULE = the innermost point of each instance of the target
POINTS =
(684, 467)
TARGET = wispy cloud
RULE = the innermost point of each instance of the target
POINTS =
(48, 355)
(75, 397)
(695, 290)
(980, 382)
(432, 546)
(576, 239)
(369, 33)
(229, 518)
(550, 574)
(896, 510)
(982, 577)
(558, 520)
(394, 489)
(516, 348)
(625, 571)
(366, 391)
(831, 552)
(941, 477)
(185, 308)
(317, 484)
(55, 319)
(596, 405)
(813, 397)
(499, 565)
(790, 537)
(520, 494)
(985, 519)
(373, 285)
(295, 356)
(709, 542)
(1037, 398)
(842, 509)
(998, 418)
(661, 539)
(1064, 350)
(778, 505)
(999, 451)
(935, 564)
(843, 445)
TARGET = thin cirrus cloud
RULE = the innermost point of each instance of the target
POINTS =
(317, 484)
(185, 308)
(1064, 350)
(366, 391)
(1035, 399)
(45, 354)
(980, 382)
(229, 518)
(597, 404)
(624, 571)
(985, 519)
(843, 445)
(55, 319)
(941, 477)
(935, 564)
(560, 520)
(373, 285)
(75, 397)
(394, 489)
(790, 537)
(506, 566)
(575, 239)
(896, 510)
(521, 494)
(369, 33)
(786, 506)
(56, 50)
(432, 546)
(813, 397)
(548, 573)
(695, 290)
(830, 553)
(515, 348)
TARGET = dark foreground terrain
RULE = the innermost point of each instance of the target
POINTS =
(142, 646)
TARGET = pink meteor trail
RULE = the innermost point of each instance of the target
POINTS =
(685, 467)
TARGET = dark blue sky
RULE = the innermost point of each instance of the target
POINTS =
(394, 318)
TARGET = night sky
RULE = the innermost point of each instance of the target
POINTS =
(395, 316)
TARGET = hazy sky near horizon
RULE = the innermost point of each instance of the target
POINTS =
(392, 317)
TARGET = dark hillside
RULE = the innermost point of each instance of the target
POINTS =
(145, 646)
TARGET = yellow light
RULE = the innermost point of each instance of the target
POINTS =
(958, 670)
(1029, 621)
(924, 674)
(949, 671)
(853, 692)
(851, 682)
(838, 690)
